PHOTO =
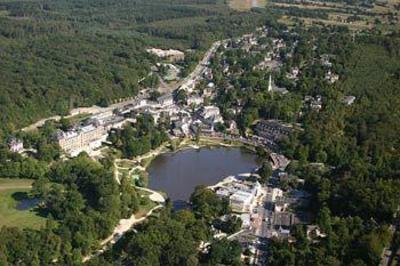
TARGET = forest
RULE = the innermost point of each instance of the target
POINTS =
(57, 55)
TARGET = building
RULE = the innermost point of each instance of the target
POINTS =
(314, 232)
(170, 54)
(16, 145)
(165, 100)
(85, 138)
(242, 195)
(209, 111)
(273, 129)
(315, 103)
(273, 88)
(348, 100)
(331, 77)
(195, 100)
(278, 161)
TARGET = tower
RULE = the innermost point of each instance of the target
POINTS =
(270, 83)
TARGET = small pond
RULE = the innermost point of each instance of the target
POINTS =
(27, 203)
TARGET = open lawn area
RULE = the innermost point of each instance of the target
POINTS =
(13, 193)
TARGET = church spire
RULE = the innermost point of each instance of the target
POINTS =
(270, 83)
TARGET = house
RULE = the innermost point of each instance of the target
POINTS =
(181, 128)
(209, 111)
(315, 103)
(15, 145)
(293, 74)
(195, 100)
(331, 77)
(283, 220)
(276, 193)
(210, 115)
(348, 100)
(165, 100)
(314, 232)
(278, 161)
(232, 127)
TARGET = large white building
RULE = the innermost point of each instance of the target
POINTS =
(242, 195)
(170, 54)
(86, 138)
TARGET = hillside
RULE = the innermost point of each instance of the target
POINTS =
(61, 54)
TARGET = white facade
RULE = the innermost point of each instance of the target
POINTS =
(196, 100)
(165, 100)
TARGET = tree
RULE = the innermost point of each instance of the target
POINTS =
(265, 172)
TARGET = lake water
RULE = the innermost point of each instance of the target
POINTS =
(179, 173)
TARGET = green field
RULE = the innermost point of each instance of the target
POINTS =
(12, 191)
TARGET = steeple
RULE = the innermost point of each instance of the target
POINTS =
(270, 83)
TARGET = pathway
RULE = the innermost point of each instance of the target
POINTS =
(124, 226)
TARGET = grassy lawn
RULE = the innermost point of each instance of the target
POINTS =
(15, 182)
(12, 192)
(126, 164)
(145, 208)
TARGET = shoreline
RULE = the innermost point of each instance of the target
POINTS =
(188, 144)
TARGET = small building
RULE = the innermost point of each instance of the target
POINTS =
(314, 232)
(15, 145)
(278, 161)
(195, 100)
(315, 103)
(348, 100)
(209, 111)
(165, 100)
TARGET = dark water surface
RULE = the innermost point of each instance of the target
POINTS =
(27, 204)
(179, 173)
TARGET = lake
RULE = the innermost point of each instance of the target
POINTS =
(243, 5)
(179, 173)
